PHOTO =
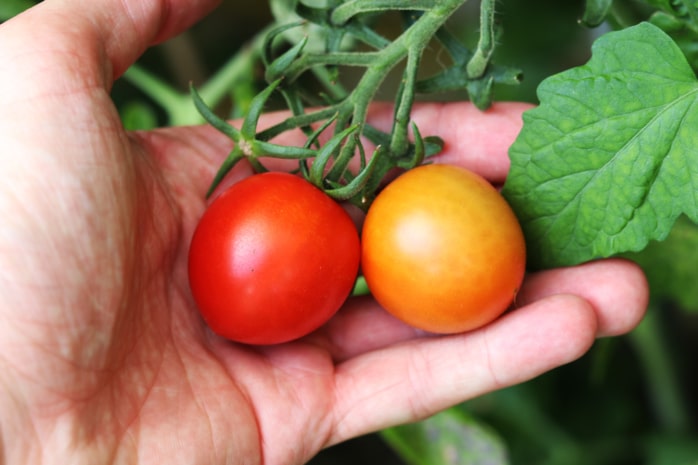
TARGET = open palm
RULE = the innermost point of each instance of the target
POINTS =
(103, 357)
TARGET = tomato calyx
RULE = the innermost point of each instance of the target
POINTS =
(329, 170)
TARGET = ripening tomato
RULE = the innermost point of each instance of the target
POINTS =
(442, 249)
(272, 259)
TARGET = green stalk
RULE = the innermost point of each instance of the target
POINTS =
(176, 105)
(416, 37)
(352, 109)
(360, 287)
(346, 11)
(236, 68)
(652, 349)
(399, 143)
(481, 58)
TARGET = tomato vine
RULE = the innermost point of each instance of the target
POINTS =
(344, 35)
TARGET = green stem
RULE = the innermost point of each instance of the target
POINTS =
(416, 37)
(172, 102)
(365, 59)
(346, 11)
(399, 143)
(518, 408)
(334, 90)
(653, 351)
(360, 287)
(481, 58)
(299, 121)
(236, 68)
(178, 106)
(413, 40)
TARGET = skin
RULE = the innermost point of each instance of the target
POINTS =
(103, 357)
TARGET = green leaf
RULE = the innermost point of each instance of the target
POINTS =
(671, 450)
(607, 162)
(451, 437)
(665, 5)
(671, 266)
(10, 8)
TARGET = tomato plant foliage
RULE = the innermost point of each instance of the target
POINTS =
(323, 39)
(468, 441)
(607, 162)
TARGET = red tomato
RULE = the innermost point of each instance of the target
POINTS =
(272, 259)
(442, 250)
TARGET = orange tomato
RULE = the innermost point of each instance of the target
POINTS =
(442, 250)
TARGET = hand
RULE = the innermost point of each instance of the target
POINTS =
(103, 357)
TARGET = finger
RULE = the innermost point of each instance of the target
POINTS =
(421, 377)
(127, 27)
(361, 326)
(617, 289)
(113, 33)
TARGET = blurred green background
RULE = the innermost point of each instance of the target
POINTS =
(629, 401)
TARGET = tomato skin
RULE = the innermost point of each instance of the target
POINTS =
(272, 259)
(442, 250)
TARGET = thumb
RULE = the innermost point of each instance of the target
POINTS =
(109, 33)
